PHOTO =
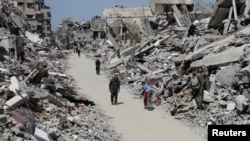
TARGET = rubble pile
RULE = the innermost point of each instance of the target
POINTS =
(196, 62)
(38, 101)
(199, 70)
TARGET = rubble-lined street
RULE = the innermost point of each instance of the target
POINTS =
(195, 56)
(128, 117)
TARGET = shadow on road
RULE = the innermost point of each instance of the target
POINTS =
(118, 103)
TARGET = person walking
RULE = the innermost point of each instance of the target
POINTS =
(148, 95)
(114, 88)
(20, 48)
(78, 50)
(145, 99)
(97, 66)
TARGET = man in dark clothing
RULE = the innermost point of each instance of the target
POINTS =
(191, 30)
(114, 88)
(97, 66)
(20, 48)
(78, 50)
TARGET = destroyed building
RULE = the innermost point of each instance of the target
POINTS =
(198, 74)
(98, 27)
(202, 78)
(128, 23)
(38, 101)
(165, 6)
(34, 15)
(37, 14)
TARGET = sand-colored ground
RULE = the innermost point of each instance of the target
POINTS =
(129, 117)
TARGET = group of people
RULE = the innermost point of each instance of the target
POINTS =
(114, 88)
(147, 92)
(114, 84)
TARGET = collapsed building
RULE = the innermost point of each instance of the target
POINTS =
(196, 59)
(199, 70)
(38, 101)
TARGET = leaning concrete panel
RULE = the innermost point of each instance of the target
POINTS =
(146, 26)
(112, 40)
(221, 10)
(203, 50)
(41, 135)
(225, 57)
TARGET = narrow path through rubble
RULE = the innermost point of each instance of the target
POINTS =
(129, 118)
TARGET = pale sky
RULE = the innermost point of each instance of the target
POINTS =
(86, 9)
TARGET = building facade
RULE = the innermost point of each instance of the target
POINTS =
(37, 15)
(165, 6)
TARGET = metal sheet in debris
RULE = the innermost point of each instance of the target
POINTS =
(25, 117)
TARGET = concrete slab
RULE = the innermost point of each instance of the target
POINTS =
(220, 59)
(41, 135)
(14, 101)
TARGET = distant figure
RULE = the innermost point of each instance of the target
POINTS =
(191, 30)
(97, 66)
(78, 50)
(74, 47)
(114, 88)
(148, 95)
(20, 48)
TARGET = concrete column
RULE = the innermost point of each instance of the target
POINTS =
(235, 10)
(45, 28)
(121, 29)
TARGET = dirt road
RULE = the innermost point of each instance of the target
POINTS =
(129, 117)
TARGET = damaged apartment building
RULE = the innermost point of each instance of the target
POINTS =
(31, 15)
(37, 15)
(30, 18)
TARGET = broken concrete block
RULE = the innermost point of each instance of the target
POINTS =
(241, 102)
(14, 101)
(17, 131)
(70, 118)
(3, 119)
(41, 135)
(3, 70)
(226, 76)
(59, 74)
(53, 134)
(33, 37)
(246, 93)
(207, 97)
(231, 106)
(223, 103)
(15, 84)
